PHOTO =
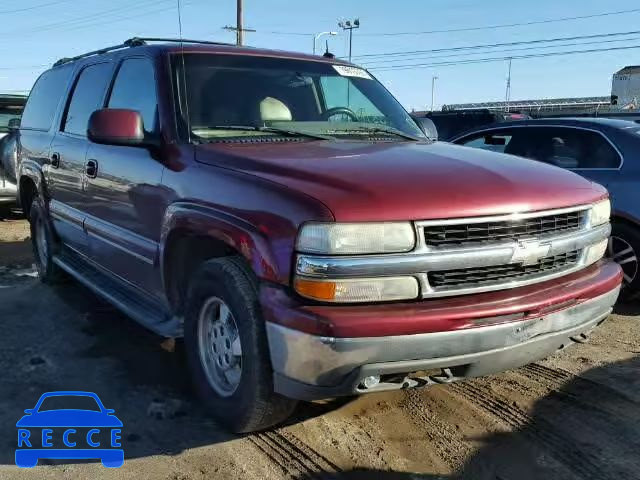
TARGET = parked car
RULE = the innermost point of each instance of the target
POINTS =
(453, 122)
(11, 107)
(602, 150)
(287, 216)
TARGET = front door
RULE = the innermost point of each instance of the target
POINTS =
(66, 175)
(125, 199)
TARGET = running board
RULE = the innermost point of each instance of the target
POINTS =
(134, 304)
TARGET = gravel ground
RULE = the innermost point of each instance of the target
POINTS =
(573, 416)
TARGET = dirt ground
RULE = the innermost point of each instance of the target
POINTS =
(573, 416)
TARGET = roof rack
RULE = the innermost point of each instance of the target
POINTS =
(136, 42)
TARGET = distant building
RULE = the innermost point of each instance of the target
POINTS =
(625, 88)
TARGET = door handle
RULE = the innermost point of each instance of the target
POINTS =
(55, 160)
(91, 169)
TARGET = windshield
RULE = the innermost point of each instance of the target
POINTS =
(271, 96)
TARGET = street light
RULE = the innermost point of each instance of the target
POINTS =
(317, 36)
(349, 25)
(433, 89)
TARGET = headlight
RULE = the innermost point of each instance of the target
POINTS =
(358, 290)
(596, 251)
(600, 212)
(356, 238)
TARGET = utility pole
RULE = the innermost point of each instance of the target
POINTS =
(350, 25)
(507, 95)
(239, 27)
(433, 89)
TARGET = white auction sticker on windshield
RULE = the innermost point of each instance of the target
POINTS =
(351, 71)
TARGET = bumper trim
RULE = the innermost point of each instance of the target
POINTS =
(327, 366)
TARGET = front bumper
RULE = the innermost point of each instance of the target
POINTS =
(309, 367)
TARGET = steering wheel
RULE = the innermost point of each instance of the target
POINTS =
(340, 110)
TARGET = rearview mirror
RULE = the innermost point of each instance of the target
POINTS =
(116, 126)
(14, 124)
(491, 140)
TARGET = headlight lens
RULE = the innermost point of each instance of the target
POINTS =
(356, 238)
(358, 290)
(600, 213)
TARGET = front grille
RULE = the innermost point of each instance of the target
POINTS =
(469, 233)
(498, 274)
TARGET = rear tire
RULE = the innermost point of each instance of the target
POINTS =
(44, 243)
(624, 248)
(227, 349)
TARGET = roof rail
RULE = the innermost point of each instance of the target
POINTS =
(176, 40)
(135, 42)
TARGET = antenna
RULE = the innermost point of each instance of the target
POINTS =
(184, 73)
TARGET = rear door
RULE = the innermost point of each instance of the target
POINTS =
(66, 173)
(125, 199)
(39, 118)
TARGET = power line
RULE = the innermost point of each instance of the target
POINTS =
(499, 59)
(33, 7)
(492, 45)
(505, 25)
(84, 20)
(508, 50)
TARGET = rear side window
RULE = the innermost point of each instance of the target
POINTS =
(566, 147)
(87, 97)
(135, 89)
(44, 99)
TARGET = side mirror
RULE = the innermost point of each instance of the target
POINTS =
(29, 411)
(428, 127)
(14, 124)
(109, 411)
(115, 126)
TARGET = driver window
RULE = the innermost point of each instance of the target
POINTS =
(341, 92)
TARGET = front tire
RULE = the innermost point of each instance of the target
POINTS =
(43, 243)
(227, 348)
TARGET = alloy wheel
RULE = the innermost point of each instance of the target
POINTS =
(620, 251)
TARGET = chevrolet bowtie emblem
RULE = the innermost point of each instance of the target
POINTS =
(529, 253)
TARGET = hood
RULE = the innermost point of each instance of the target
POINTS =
(361, 181)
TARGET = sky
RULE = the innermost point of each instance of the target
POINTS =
(35, 33)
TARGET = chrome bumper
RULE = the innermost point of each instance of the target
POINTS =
(311, 367)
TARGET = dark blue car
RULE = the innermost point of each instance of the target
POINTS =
(606, 151)
(44, 431)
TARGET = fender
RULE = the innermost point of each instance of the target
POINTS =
(32, 170)
(235, 232)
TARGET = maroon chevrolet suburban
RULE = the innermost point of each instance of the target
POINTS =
(287, 217)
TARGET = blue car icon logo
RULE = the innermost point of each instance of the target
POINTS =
(48, 431)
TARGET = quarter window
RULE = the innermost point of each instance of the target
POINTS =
(88, 95)
(135, 89)
(44, 99)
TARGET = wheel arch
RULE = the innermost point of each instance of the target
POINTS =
(30, 183)
(192, 234)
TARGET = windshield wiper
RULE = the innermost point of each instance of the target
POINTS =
(251, 128)
(381, 129)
